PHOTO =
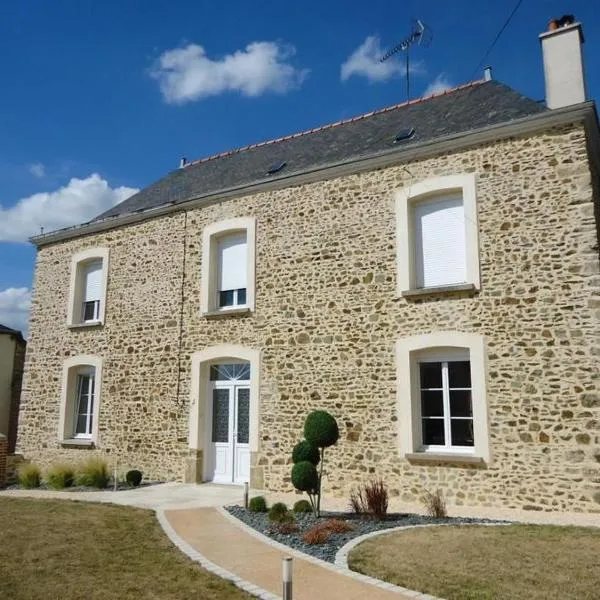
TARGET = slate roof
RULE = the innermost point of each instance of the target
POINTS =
(470, 107)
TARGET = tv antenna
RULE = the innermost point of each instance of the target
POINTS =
(421, 36)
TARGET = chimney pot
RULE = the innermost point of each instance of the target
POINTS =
(182, 162)
(563, 62)
(487, 74)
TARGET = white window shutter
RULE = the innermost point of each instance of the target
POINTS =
(233, 262)
(440, 244)
(92, 281)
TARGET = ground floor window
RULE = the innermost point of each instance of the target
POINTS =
(84, 418)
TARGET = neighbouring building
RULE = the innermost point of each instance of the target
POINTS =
(12, 359)
(429, 273)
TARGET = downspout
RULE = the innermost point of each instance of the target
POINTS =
(181, 310)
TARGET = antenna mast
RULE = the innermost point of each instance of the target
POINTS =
(419, 35)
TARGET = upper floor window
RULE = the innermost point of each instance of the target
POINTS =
(232, 269)
(228, 250)
(437, 235)
(87, 294)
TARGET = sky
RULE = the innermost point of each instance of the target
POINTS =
(100, 98)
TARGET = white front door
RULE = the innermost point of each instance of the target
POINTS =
(230, 429)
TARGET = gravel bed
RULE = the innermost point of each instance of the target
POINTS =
(328, 550)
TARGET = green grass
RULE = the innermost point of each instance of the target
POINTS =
(62, 550)
(536, 562)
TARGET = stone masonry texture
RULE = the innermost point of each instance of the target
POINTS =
(327, 318)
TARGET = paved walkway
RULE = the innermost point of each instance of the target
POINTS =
(230, 547)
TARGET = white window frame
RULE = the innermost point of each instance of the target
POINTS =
(209, 278)
(75, 311)
(409, 352)
(426, 191)
(443, 356)
(69, 398)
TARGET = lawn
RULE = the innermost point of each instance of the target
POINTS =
(62, 550)
(513, 562)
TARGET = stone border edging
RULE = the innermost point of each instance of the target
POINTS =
(199, 558)
(335, 567)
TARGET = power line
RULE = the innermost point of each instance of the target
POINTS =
(487, 53)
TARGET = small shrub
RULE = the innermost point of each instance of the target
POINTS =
(60, 476)
(93, 473)
(257, 504)
(316, 535)
(279, 512)
(29, 476)
(377, 496)
(133, 477)
(305, 451)
(358, 502)
(287, 527)
(302, 506)
(337, 526)
(370, 499)
(435, 504)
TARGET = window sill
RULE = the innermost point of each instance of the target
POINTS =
(223, 314)
(445, 457)
(77, 443)
(85, 325)
(439, 290)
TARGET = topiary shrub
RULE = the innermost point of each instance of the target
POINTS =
(321, 431)
(302, 506)
(60, 476)
(279, 513)
(133, 477)
(304, 450)
(29, 476)
(257, 504)
(93, 473)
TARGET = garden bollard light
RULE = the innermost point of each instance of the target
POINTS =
(287, 578)
(246, 495)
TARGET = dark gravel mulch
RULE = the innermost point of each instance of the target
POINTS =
(328, 550)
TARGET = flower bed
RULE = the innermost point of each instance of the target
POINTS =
(328, 549)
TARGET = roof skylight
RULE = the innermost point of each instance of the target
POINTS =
(276, 167)
(404, 134)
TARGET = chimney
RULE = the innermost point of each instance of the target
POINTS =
(487, 74)
(182, 162)
(563, 62)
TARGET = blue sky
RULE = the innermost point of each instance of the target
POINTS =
(100, 98)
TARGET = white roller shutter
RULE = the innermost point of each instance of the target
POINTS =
(92, 281)
(233, 262)
(440, 246)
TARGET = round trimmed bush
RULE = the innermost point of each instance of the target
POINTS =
(257, 504)
(302, 506)
(305, 477)
(133, 477)
(321, 429)
(279, 513)
(305, 451)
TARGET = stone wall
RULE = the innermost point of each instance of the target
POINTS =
(327, 318)
(3, 459)
(15, 397)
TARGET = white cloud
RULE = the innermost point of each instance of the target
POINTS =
(365, 61)
(77, 202)
(186, 74)
(14, 308)
(440, 84)
(37, 170)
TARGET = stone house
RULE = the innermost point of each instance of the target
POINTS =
(429, 273)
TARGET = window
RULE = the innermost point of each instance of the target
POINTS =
(446, 407)
(228, 256)
(80, 400)
(437, 235)
(441, 395)
(85, 405)
(232, 270)
(87, 295)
